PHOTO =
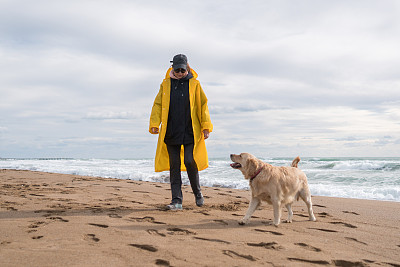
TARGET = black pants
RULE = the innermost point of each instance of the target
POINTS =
(174, 152)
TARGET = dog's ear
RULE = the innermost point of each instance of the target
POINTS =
(251, 167)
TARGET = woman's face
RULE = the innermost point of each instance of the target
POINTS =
(179, 73)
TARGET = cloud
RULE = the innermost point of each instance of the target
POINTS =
(107, 115)
(280, 77)
(3, 129)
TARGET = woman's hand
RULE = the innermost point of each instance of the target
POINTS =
(206, 133)
(154, 130)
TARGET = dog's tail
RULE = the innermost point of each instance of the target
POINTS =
(295, 162)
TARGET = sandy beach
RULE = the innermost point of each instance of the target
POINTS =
(49, 219)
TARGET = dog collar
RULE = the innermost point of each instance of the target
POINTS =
(257, 173)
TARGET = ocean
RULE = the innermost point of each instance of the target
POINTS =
(362, 178)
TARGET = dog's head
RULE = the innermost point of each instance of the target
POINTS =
(246, 163)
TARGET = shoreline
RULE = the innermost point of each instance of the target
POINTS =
(240, 189)
(375, 179)
(49, 219)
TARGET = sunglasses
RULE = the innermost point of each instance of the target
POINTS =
(180, 70)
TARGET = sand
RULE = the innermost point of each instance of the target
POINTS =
(49, 219)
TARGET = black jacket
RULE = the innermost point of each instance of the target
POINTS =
(179, 126)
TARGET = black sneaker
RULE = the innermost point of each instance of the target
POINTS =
(199, 200)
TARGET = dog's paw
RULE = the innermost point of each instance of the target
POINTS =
(243, 222)
(288, 221)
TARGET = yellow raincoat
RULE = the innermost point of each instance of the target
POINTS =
(200, 121)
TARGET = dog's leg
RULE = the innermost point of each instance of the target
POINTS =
(305, 194)
(310, 210)
(277, 212)
(254, 203)
(290, 212)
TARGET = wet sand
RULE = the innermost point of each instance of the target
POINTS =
(51, 219)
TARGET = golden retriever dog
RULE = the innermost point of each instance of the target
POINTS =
(279, 186)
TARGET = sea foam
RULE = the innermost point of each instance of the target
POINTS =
(364, 178)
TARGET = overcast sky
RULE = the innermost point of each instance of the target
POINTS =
(283, 78)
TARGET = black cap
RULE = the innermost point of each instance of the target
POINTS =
(179, 62)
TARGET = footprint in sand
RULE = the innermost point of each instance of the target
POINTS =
(345, 224)
(324, 230)
(266, 231)
(324, 214)
(212, 240)
(269, 245)
(57, 219)
(114, 215)
(226, 207)
(99, 225)
(36, 224)
(37, 237)
(348, 263)
(9, 205)
(162, 262)
(91, 238)
(49, 212)
(155, 232)
(37, 195)
(355, 240)
(234, 254)
(145, 247)
(138, 191)
(301, 215)
(179, 231)
(145, 219)
(350, 212)
(95, 209)
(320, 262)
(308, 247)
(221, 222)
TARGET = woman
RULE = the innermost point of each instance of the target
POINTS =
(181, 109)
